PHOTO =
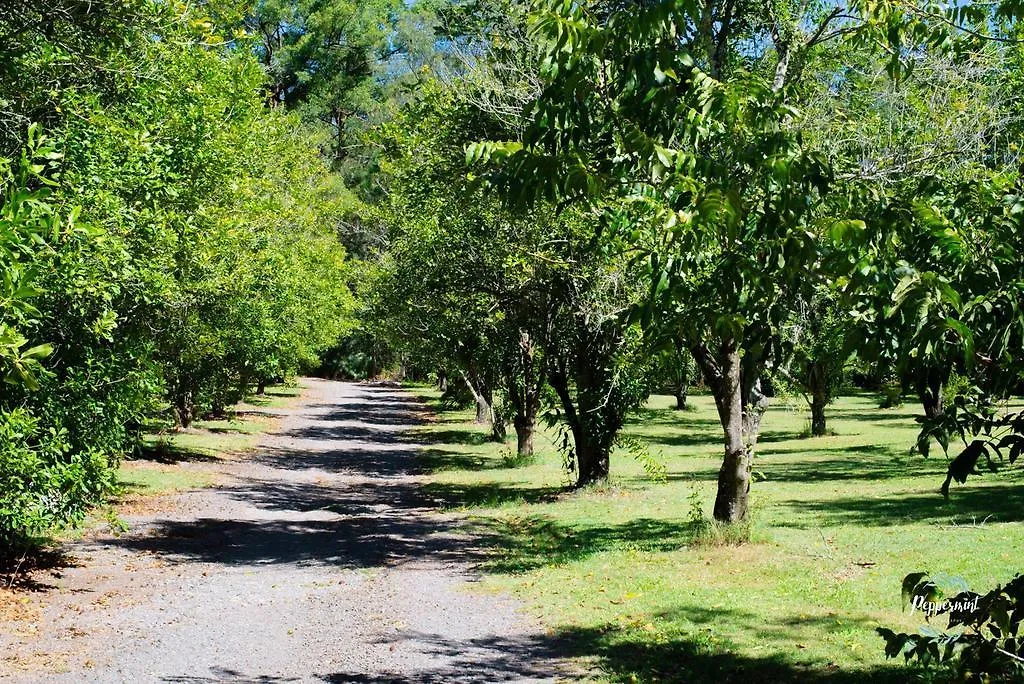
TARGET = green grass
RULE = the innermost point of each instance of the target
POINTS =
(170, 459)
(838, 522)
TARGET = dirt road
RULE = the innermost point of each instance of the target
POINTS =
(317, 560)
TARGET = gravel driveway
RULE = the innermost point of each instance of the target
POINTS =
(316, 560)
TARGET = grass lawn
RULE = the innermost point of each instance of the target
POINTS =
(838, 522)
(177, 460)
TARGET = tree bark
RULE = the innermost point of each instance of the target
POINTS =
(261, 387)
(483, 409)
(482, 395)
(525, 378)
(818, 426)
(721, 369)
(592, 457)
(184, 407)
(592, 463)
(931, 398)
(731, 501)
(527, 405)
(681, 397)
(818, 386)
(524, 436)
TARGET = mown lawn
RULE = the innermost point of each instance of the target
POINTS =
(838, 522)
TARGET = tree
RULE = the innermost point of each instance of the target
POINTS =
(690, 110)
(468, 284)
(674, 365)
(820, 333)
(721, 176)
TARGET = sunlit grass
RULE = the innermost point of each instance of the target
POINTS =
(838, 522)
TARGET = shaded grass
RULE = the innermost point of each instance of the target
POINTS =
(838, 521)
(169, 461)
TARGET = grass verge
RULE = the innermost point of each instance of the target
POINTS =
(629, 576)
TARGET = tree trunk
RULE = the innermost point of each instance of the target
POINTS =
(442, 381)
(731, 502)
(482, 396)
(525, 422)
(681, 398)
(931, 399)
(592, 460)
(524, 437)
(483, 410)
(525, 378)
(818, 386)
(818, 403)
(498, 432)
(261, 388)
(184, 407)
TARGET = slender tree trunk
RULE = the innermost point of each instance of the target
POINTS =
(818, 386)
(731, 502)
(261, 387)
(498, 431)
(527, 406)
(483, 410)
(525, 377)
(592, 456)
(442, 381)
(184, 407)
(482, 396)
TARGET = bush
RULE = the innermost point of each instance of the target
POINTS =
(46, 484)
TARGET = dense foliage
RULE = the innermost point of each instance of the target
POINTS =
(167, 241)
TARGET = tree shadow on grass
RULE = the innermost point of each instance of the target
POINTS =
(168, 453)
(632, 655)
(453, 436)
(848, 468)
(881, 416)
(966, 505)
(435, 460)
(610, 652)
(487, 494)
(671, 418)
(526, 543)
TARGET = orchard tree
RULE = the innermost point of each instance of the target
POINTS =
(820, 336)
(524, 298)
(691, 110)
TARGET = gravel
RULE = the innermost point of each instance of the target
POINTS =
(318, 559)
